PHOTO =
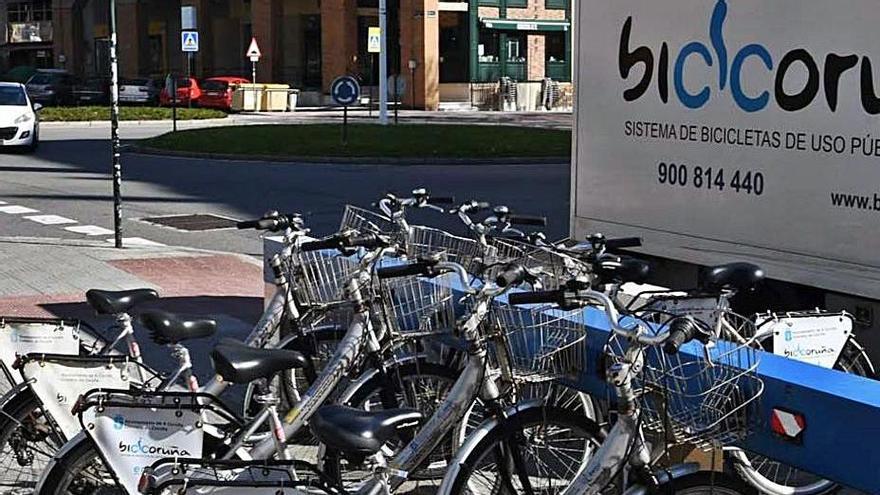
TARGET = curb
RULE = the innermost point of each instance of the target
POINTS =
(103, 246)
(130, 123)
(414, 161)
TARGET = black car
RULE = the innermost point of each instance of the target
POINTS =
(92, 91)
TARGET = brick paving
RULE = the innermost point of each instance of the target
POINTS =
(48, 278)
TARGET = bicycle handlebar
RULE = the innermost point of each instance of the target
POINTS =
(623, 242)
(342, 241)
(421, 267)
(532, 220)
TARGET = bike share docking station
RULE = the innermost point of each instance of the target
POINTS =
(822, 421)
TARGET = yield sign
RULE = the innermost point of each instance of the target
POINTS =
(254, 51)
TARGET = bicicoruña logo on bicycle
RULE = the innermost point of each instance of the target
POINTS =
(729, 62)
(143, 448)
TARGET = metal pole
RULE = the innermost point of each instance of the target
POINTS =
(114, 130)
(412, 82)
(383, 62)
(396, 97)
(254, 80)
(189, 71)
(345, 124)
(173, 90)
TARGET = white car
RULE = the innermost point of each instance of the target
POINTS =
(19, 121)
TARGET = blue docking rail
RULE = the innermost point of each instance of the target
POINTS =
(841, 438)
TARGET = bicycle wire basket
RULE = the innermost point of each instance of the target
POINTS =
(320, 277)
(704, 394)
(550, 267)
(542, 343)
(416, 306)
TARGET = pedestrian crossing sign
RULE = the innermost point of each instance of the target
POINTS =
(374, 42)
(190, 41)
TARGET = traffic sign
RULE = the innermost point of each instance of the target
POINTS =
(189, 41)
(254, 52)
(345, 90)
(374, 40)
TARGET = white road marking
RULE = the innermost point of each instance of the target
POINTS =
(50, 219)
(3, 202)
(17, 210)
(136, 241)
(89, 230)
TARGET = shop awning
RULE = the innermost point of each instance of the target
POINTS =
(526, 24)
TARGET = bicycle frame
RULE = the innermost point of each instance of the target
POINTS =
(360, 336)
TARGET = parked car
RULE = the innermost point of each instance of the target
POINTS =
(188, 91)
(51, 87)
(19, 120)
(141, 90)
(92, 91)
(217, 91)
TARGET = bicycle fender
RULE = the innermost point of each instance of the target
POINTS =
(65, 449)
(476, 437)
(665, 476)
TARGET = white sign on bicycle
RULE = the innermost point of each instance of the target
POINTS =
(134, 438)
(817, 340)
(59, 385)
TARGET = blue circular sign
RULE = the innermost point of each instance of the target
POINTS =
(345, 90)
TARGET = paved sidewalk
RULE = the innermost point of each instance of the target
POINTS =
(43, 277)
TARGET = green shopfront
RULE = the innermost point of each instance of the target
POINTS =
(524, 42)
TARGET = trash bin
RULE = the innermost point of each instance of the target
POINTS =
(292, 97)
(275, 97)
(248, 98)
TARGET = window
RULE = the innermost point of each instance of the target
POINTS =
(556, 4)
(12, 96)
(516, 48)
(518, 3)
(490, 3)
(555, 47)
(488, 48)
(38, 10)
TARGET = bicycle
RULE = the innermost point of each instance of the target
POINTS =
(710, 304)
(704, 397)
(364, 436)
(361, 345)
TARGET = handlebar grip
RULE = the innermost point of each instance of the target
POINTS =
(528, 220)
(537, 297)
(511, 276)
(441, 200)
(407, 270)
(681, 331)
(261, 224)
(368, 241)
(623, 242)
(249, 224)
(330, 243)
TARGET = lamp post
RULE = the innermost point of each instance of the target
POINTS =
(413, 64)
(114, 130)
(383, 62)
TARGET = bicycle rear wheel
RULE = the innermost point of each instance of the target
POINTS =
(27, 444)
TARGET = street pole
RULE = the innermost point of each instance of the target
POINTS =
(254, 81)
(114, 130)
(383, 62)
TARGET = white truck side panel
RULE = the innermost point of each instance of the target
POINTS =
(754, 133)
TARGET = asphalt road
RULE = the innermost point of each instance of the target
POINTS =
(69, 177)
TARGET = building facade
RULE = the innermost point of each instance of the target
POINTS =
(440, 49)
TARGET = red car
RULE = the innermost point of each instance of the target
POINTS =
(217, 92)
(188, 90)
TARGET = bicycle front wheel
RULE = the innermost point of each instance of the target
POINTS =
(27, 444)
(537, 450)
